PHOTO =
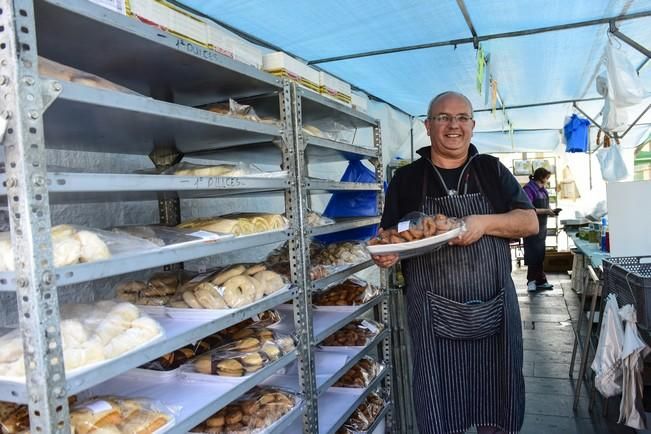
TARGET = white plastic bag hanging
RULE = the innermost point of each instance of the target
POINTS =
(625, 88)
(611, 162)
(607, 363)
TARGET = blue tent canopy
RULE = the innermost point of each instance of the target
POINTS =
(532, 67)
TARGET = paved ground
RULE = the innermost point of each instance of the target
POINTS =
(548, 341)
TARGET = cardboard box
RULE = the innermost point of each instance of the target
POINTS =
(359, 100)
(170, 18)
(115, 5)
(246, 53)
(334, 88)
(285, 66)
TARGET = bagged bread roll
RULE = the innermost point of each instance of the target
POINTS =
(92, 247)
(90, 416)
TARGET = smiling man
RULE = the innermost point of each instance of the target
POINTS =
(462, 307)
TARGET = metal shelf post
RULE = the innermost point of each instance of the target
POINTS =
(26, 97)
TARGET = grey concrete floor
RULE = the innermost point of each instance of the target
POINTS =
(548, 341)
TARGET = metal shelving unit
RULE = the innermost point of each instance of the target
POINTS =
(173, 77)
(310, 107)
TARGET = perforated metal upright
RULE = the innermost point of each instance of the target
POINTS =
(295, 199)
(338, 151)
(25, 98)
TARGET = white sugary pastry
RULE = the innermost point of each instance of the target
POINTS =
(6, 256)
(10, 350)
(13, 369)
(93, 351)
(74, 357)
(149, 327)
(73, 333)
(66, 250)
(92, 247)
(62, 231)
(126, 312)
(124, 342)
(109, 328)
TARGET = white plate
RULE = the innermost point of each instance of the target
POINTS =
(414, 246)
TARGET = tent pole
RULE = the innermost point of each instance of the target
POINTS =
(615, 31)
(484, 38)
(575, 105)
(635, 121)
(466, 16)
(411, 134)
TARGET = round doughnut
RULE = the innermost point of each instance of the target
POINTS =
(273, 280)
(261, 287)
(191, 300)
(239, 291)
(255, 269)
(229, 273)
(208, 297)
(215, 421)
(416, 233)
(149, 327)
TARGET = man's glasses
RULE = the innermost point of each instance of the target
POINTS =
(446, 118)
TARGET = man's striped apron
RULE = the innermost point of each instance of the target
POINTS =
(466, 330)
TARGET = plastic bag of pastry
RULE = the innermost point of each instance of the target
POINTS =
(229, 363)
(159, 235)
(270, 342)
(238, 224)
(90, 334)
(14, 418)
(112, 414)
(351, 292)
(263, 319)
(360, 375)
(416, 234)
(253, 413)
(355, 334)
(315, 219)
(233, 108)
(52, 69)
(364, 415)
(341, 254)
(75, 244)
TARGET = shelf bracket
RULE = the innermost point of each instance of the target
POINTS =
(50, 90)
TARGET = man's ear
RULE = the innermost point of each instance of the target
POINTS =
(427, 126)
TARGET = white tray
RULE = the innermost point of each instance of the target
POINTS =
(189, 314)
(414, 246)
(71, 373)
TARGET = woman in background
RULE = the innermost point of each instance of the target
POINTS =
(534, 246)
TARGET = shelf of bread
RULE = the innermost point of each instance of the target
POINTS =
(127, 123)
(344, 225)
(206, 244)
(72, 187)
(175, 333)
(327, 185)
(325, 322)
(353, 356)
(315, 106)
(335, 407)
(76, 33)
(324, 282)
(325, 150)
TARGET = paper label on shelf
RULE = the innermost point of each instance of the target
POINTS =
(199, 278)
(98, 407)
(255, 318)
(370, 326)
(403, 226)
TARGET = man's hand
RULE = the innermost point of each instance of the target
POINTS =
(385, 261)
(475, 229)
